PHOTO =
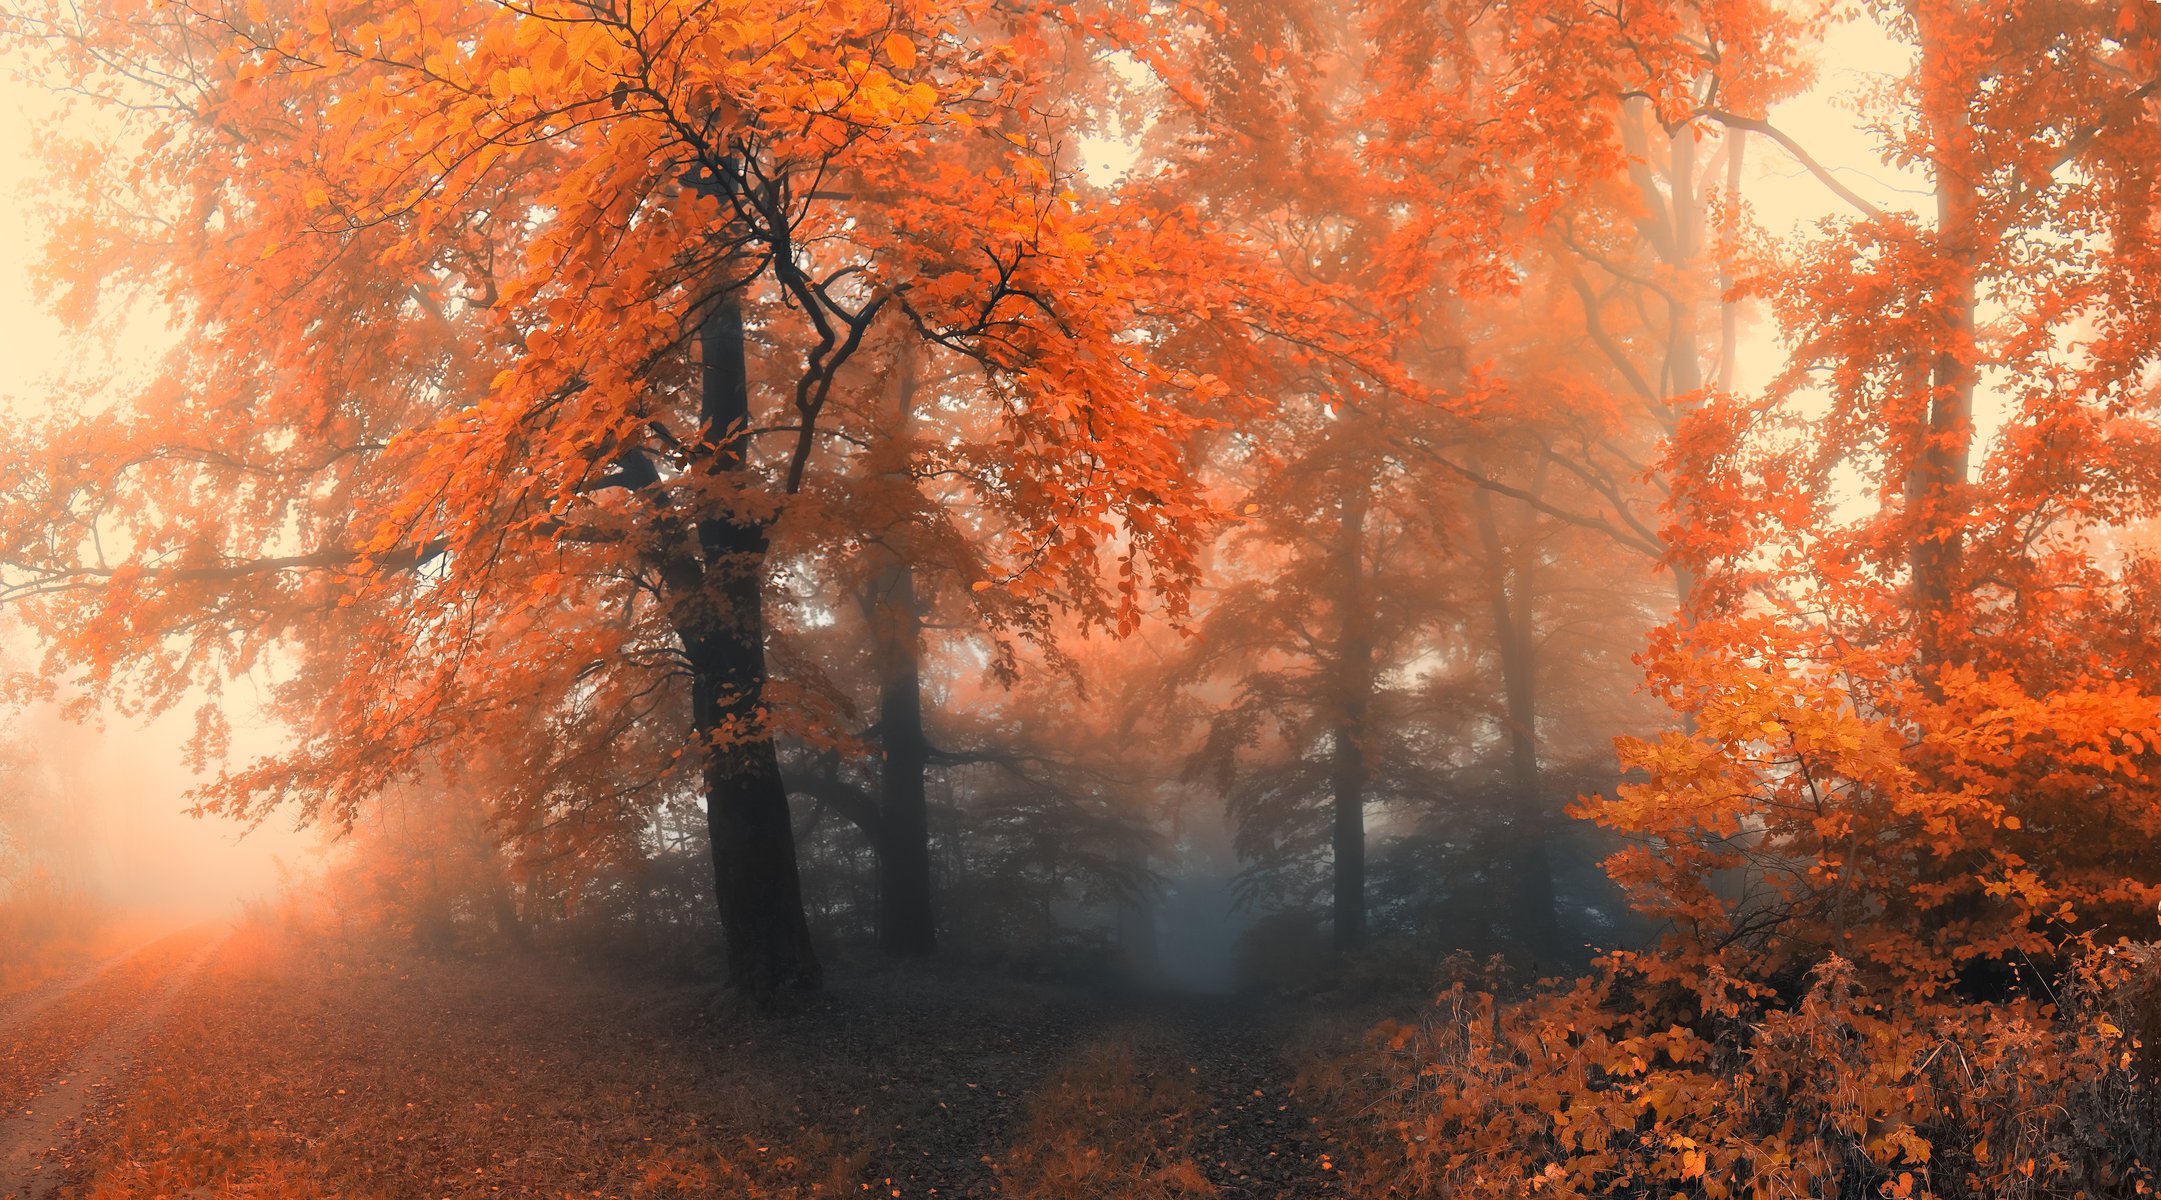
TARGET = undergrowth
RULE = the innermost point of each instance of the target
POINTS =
(1603, 1089)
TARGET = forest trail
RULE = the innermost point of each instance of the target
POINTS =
(16, 1008)
(64, 1047)
(366, 1074)
(1039, 1093)
(1258, 1140)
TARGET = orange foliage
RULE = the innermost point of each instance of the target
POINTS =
(1618, 1087)
(435, 450)
(1919, 709)
(455, 445)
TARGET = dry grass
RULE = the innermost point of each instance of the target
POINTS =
(1118, 1122)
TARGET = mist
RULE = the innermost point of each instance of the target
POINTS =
(129, 840)
(905, 598)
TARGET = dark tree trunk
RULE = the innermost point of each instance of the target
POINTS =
(907, 923)
(1510, 590)
(716, 594)
(503, 906)
(899, 826)
(1348, 777)
(1349, 771)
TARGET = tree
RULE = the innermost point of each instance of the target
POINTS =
(482, 412)
(1034, 825)
(1309, 734)
(1302, 659)
(909, 551)
(1552, 167)
(1918, 712)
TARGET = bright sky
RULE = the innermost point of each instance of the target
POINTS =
(1855, 55)
(31, 343)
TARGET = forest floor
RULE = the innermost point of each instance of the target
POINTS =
(243, 1063)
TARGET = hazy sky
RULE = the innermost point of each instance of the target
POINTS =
(30, 341)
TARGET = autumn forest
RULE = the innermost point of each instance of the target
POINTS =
(1124, 598)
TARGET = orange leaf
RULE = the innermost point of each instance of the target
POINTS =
(900, 50)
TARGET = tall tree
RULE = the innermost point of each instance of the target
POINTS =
(464, 354)
(1305, 659)
(1916, 723)
(1555, 163)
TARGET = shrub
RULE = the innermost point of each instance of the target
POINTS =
(1619, 1087)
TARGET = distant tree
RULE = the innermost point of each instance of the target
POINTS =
(1035, 830)
(1317, 664)
(888, 599)
(47, 849)
(1554, 163)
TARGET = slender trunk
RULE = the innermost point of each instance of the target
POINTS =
(1729, 357)
(1510, 591)
(1349, 770)
(1944, 384)
(1729, 309)
(907, 922)
(907, 919)
(717, 599)
(1671, 225)
(1684, 367)
(503, 904)
(1936, 485)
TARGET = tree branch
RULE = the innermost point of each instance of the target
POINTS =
(1800, 155)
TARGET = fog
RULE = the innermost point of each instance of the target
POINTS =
(1088, 802)
(122, 788)
(123, 785)
(1408, 600)
(112, 788)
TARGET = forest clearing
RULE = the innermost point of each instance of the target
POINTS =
(1405, 600)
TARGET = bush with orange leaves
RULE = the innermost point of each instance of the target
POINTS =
(1622, 1087)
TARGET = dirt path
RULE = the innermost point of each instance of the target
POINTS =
(70, 1048)
(948, 1100)
(19, 1008)
(1256, 1139)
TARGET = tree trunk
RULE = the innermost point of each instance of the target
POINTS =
(1671, 224)
(717, 599)
(1348, 771)
(1510, 590)
(1936, 485)
(1684, 367)
(900, 838)
(503, 907)
(907, 923)
(1729, 307)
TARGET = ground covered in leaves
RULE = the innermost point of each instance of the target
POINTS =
(244, 1063)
